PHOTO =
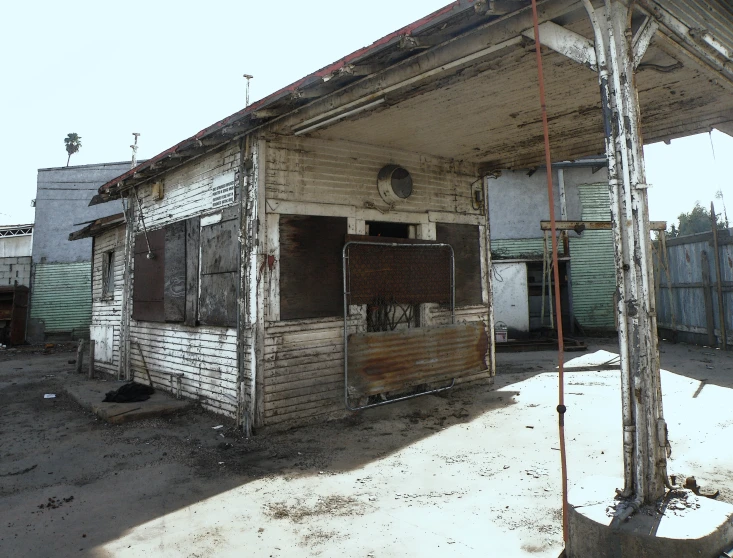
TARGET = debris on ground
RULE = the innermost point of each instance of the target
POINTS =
(129, 392)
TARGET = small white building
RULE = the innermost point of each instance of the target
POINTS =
(329, 247)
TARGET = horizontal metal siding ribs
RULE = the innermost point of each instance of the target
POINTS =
(62, 296)
(592, 263)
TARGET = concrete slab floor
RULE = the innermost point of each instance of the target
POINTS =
(473, 473)
(90, 395)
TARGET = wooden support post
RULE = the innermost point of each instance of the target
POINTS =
(670, 291)
(718, 278)
(707, 295)
(91, 359)
(79, 355)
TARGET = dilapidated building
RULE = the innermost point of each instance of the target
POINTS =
(329, 246)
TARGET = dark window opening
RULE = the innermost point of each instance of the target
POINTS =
(464, 239)
(108, 274)
(311, 272)
(385, 315)
(388, 230)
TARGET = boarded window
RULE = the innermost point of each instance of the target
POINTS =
(310, 266)
(174, 289)
(161, 283)
(219, 272)
(108, 274)
(464, 239)
(148, 287)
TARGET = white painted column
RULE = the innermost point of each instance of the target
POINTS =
(645, 431)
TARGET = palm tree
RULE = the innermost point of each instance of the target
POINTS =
(73, 143)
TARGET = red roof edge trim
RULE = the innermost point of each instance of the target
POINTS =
(315, 76)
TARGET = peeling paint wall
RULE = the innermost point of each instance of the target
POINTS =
(204, 356)
(303, 359)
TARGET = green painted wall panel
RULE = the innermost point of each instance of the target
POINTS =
(62, 296)
(592, 263)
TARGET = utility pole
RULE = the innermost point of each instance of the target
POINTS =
(247, 77)
(134, 150)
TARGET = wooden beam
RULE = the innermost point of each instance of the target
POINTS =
(469, 48)
(580, 226)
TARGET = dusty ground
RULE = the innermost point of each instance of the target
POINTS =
(473, 473)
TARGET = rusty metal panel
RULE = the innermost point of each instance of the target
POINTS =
(398, 360)
(149, 277)
(395, 274)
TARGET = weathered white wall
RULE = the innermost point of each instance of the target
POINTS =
(517, 202)
(205, 355)
(15, 246)
(511, 303)
(107, 310)
(15, 260)
(304, 368)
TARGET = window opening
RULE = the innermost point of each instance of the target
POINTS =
(385, 314)
(108, 273)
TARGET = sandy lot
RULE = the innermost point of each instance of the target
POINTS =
(472, 473)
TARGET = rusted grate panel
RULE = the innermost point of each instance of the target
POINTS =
(392, 273)
(395, 361)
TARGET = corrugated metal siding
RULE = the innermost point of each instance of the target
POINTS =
(62, 296)
(592, 263)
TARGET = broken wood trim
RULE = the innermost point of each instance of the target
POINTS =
(566, 42)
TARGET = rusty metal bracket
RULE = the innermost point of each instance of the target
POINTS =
(346, 291)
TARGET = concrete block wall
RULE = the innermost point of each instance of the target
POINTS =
(15, 271)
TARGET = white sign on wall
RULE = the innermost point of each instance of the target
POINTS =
(223, 190)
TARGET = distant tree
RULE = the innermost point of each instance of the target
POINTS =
(695, 221)
(73, 144)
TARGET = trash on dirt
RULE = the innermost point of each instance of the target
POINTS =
(129, 392)
(217, 427)
(49, 395)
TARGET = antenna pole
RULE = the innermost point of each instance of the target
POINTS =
(134, 150)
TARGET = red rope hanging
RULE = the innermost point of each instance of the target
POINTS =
(556, 273)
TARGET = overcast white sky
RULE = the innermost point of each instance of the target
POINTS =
(168, 69)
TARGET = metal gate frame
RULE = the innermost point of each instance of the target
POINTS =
(347, 292)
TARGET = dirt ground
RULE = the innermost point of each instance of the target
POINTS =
(474, 472)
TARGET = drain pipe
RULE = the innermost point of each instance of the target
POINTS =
(621, 308)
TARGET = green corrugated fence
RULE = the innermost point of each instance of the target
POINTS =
(62, 296)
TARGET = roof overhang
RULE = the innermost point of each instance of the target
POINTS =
(98, 226)
(461, 83)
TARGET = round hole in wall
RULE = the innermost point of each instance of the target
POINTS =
(394, 183)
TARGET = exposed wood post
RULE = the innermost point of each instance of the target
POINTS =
(489, 280)
(708, 297)
(670, 291)
(718, 278)
(90, 374)
(123, 368)
(645, 431)
(79, 355)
